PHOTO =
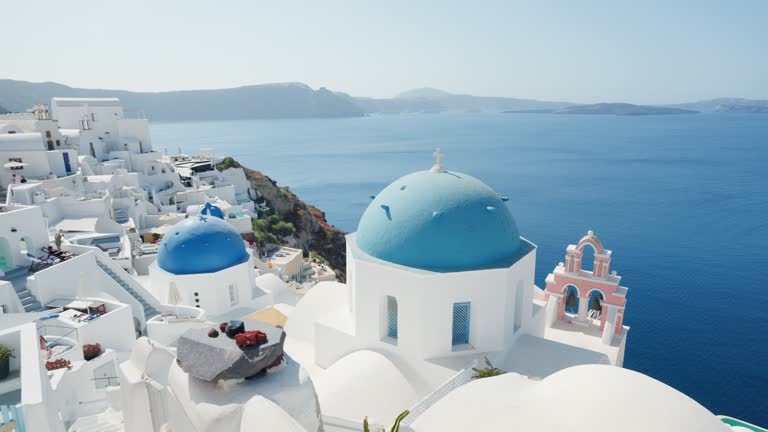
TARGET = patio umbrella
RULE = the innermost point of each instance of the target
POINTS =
(14, 164)
(174, 297)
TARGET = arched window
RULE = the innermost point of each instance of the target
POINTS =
(391, 317)
(595, 310)
(572, 300)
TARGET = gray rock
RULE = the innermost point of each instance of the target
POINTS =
(212, 359)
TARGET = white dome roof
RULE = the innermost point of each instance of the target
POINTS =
(581, 398)
(364, 383)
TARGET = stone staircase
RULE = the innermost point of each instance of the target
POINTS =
(18, 278)
(149, 310)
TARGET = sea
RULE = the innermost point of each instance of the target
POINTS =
(681, 200)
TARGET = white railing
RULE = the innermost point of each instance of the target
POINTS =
(459, 379)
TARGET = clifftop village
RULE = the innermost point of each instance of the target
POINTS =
(135, 296)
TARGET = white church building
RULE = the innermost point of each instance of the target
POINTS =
(438, 278)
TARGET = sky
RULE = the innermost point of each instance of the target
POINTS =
(579, 51)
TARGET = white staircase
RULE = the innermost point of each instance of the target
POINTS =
(122, 278)
(462, 377)
(107, 421)
(28, 301)
(121, 215)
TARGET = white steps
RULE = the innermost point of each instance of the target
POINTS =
(108, 421)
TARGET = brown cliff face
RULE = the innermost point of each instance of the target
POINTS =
(313, 232)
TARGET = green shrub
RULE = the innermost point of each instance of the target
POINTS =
(228, 162)
(395, 427)
(488, 371)
(270, 229)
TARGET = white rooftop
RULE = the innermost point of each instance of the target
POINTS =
(582, 398)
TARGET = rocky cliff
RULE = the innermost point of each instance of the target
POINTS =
(313, 232)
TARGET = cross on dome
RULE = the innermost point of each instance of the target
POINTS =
(438, 166)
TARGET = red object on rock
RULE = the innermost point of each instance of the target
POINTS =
(223, 327)
(249, 338)
(91, 351)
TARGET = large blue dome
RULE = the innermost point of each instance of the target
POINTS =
(201, 244)
(440, 220)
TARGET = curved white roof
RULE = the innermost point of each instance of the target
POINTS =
(581, 398)
(263, 414)
(324, 300)
(364, 383)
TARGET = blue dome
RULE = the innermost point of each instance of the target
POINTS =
(201, 244)
(445, 221)
(212, 210)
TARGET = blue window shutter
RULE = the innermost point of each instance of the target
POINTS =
(391, 317)
(461, 319)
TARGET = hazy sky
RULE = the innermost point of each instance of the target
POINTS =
(582, 51)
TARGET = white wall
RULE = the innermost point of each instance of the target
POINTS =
(113, 330)
(212, 288)
(138, 129)
(64, 279)
(425, 310)
(9, 299)
(29, 225)
(39, 409)
(56, 162)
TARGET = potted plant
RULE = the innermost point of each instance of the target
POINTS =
(6, 353)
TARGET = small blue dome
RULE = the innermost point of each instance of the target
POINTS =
(444, 220)
(201, 244)
(212, 210)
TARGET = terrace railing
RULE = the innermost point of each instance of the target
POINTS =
(11, 418)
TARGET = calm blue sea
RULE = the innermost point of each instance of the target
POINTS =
(681, 201)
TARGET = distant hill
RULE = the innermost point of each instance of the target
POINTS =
(624, 109)
(424, 93)
(291, 100)
(297, 100)
(750, 108)
(723, 105)
(432, 100)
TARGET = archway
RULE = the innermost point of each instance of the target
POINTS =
(595, 305)
(588, 257)
(6, 258)
(572, 300)
(24, 248)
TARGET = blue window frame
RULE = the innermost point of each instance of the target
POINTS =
(391, 317)
(461, 319)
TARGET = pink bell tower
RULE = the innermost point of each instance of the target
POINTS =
(587, 297)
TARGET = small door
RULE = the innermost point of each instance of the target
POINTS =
(67, 166)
